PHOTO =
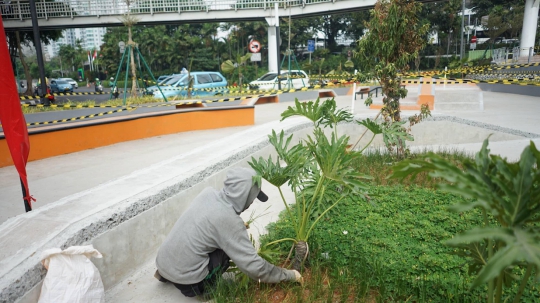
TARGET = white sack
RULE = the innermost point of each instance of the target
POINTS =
(71, 276)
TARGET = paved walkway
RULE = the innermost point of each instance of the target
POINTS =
(54, 178)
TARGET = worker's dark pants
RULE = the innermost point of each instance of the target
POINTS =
(218, 264)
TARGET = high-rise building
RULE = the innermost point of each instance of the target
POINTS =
(91, 38)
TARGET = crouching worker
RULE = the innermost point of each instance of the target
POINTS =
(210, 233)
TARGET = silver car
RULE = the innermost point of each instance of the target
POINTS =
(73, 83)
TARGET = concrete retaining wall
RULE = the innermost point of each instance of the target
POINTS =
(58, 139)
(128, 218)
(462, 98)
(529, 90)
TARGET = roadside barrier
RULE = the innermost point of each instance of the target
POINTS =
(80, 117)
(133, 107)
(63, 94)
(469, 70)
(465, 81)
(249, 95)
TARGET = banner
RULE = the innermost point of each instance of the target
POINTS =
(12, 119)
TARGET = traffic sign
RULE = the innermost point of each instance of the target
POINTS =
(473, 39)
(255, 57)
(311, 45)
(254, 46)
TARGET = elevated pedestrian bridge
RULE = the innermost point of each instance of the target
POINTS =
(104, 13)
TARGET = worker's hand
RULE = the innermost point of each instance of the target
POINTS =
(298, 277)
(246, 224)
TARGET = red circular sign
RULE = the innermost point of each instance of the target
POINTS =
(473, 39)
(254, 46)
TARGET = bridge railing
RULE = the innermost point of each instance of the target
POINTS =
(20, 9)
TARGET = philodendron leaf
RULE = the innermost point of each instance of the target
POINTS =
(395, 134)
(373, 126)
(521, 246)
(270, 171)
(280, 143)
(314, 111)
(334, 160)
(332, 115)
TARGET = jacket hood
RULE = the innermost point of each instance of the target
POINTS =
(239, 189)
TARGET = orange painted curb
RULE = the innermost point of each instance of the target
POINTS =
(58, 140)
(327, 94)
(261, 100)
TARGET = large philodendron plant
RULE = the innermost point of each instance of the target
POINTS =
(507, 246)
(317, 169)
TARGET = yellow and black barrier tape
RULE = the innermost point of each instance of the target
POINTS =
(471, 69)
(95, 106)
(63, 94)
(80, 117)
(465, 81)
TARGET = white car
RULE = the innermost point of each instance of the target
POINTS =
(70, 81)
(289, 80)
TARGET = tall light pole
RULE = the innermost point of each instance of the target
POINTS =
(462, 29)
(278, 45)
(39, 53)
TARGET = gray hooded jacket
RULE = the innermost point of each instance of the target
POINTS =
(213, 222)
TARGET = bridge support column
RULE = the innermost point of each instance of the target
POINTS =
(530, 22)
(272, 50)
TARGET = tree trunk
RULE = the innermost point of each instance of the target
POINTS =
(301, 252)
(132, 63)
(12, 46)
(27, 75)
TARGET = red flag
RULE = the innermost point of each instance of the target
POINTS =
(12, 118)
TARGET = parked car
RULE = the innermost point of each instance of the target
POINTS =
(161, 78)
(73, 83)
(61, 86)
(204, 84)
(510, 41)
(269, 81)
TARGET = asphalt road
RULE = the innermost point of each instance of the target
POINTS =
(153, 107)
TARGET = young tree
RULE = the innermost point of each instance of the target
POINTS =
(17, 39)
(68, 53)
(394, 38)
(129, 21)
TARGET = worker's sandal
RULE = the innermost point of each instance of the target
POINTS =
(160, 278)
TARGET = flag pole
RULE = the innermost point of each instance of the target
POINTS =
(27, 206)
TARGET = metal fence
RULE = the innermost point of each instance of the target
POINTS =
(20, 9)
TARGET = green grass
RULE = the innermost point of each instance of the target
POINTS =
(377, 163)
(390, 249)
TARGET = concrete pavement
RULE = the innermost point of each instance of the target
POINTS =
(56, 178)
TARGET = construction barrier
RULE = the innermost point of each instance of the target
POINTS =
(465, 81)
(266, 94)
(469, 70)
(63, 94)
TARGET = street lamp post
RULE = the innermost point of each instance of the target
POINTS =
(462, 29)
(39, 54)
(278, 45)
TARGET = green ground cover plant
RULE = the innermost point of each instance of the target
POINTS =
(395, 244)
(503, 250)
